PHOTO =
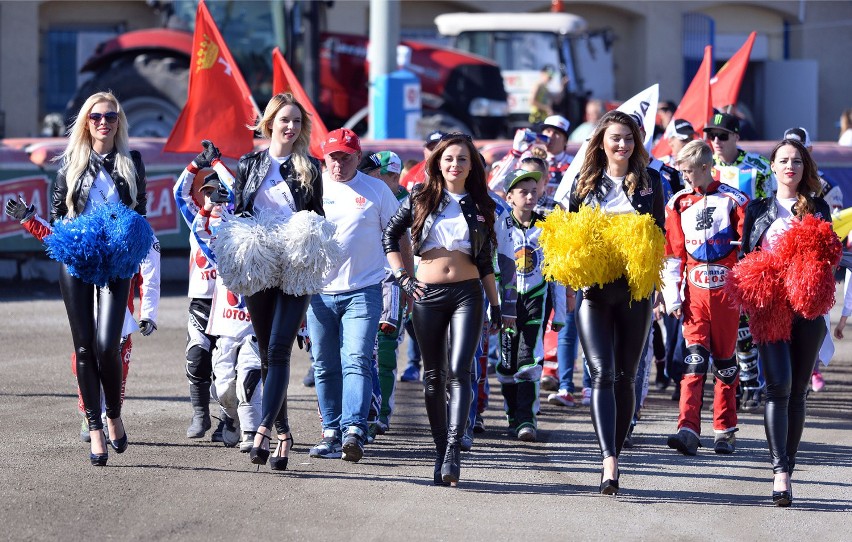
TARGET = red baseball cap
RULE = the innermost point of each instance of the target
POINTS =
(341, 140)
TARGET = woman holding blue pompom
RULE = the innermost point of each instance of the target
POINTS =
(98, 169)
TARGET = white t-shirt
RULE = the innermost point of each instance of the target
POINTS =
(616, 201)
(783, 222)
(274, 194)
(103, 191)
(360, 208)
(450, 229)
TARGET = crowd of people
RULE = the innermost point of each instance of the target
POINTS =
(452, 258)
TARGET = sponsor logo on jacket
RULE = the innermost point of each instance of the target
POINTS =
(708, 276)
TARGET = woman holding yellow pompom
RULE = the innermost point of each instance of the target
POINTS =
(615, 315)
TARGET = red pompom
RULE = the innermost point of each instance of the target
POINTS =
(771, 324)
(810, 287)
(810, 239)
(754, 281)
(755, 285)
(811, 250)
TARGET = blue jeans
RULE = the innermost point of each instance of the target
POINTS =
(566, 353)
(343, 330)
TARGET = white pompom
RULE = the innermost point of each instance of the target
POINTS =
(312, 251)
(249, 258)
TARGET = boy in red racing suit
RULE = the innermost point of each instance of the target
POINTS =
(702, 225)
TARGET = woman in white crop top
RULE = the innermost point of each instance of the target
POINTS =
(451, 217)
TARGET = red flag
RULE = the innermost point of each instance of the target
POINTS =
(219, 102)
(728, 80)
(284, 80)
(696, 104)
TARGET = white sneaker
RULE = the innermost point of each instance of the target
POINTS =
(247, 442)
(587, 396)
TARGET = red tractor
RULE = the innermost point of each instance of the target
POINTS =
(148, 70)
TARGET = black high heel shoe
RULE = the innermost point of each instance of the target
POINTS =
(257, 454)
(451, 468)
(610, 487)
(440, 452)
(277, 462)
(99, 460)
(782, 498)
(121, 444)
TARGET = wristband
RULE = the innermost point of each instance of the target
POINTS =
(399, 272)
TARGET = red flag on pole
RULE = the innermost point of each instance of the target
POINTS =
(696, 104)
(219, 103)
(284, 80)
(728, 80)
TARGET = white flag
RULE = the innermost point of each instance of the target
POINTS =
(643, 104)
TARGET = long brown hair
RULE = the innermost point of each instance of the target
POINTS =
(432, 191)
(809, 185)
(595, 160)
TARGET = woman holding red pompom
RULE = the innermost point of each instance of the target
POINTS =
(788, 362)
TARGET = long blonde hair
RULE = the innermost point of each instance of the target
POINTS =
(305, 171)
(75, 158)
(595, 160)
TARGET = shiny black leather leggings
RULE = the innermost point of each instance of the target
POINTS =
(97, 341)
(455, 308)
(276, 318)
(787, 367)
(613, 332)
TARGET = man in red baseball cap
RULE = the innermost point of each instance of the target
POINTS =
(343, 318)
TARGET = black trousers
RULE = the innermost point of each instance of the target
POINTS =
(97, 341)
(519, 371)
(613, 331)
(276, 318)
(788, 367)
(455, 309)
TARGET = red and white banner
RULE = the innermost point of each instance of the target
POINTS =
(34, 191)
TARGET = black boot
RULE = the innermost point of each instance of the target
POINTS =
(451, 468)
(440, 452)
(199, 395)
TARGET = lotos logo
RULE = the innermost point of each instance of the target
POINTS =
(235, 300)
(694, 359)
(708, 276)
(205, 268)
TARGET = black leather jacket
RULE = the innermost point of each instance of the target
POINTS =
(762, 212)
(481, 246)
(253, 169)
(649, 201)
(59, 209)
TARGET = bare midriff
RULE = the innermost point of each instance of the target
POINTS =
(441, 266)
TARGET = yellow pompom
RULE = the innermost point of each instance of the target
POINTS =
(641, 247)
(576, 251)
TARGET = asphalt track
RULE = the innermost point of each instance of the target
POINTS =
(167, 487)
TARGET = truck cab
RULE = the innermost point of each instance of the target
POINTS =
(524, 43)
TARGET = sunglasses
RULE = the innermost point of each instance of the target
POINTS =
(456, 135)
(111, 117)
(721, 136)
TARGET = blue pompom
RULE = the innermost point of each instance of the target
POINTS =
(107, 243)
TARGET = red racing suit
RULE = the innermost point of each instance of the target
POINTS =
(700, 229)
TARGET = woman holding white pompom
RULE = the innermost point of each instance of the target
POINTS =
(283, 180)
